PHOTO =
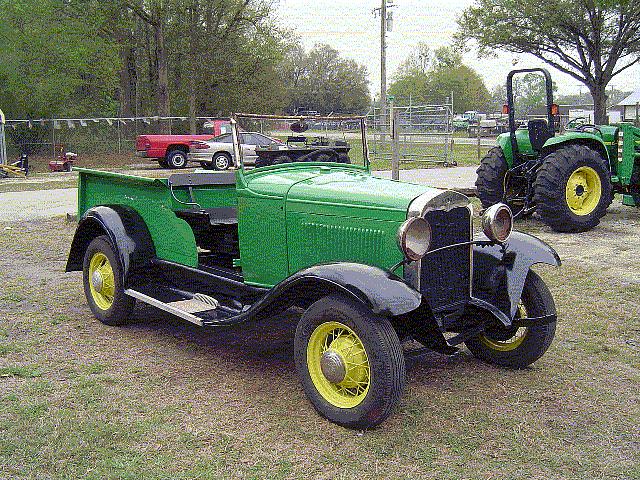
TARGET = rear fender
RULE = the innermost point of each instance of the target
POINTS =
(126, 230)
(499, 275)
(581, 138)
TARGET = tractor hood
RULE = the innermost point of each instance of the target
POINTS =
(353, 193)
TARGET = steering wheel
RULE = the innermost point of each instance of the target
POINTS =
(570, 124)
(585, 127)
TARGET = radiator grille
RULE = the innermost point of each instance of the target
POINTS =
(445, 276)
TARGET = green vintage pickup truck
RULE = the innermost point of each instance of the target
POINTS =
(373, 263)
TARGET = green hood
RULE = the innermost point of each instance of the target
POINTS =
(353, 193)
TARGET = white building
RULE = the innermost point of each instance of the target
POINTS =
(631, 107)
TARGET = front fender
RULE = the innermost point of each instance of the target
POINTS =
(126, 230)
(379, 290)
(499, 274)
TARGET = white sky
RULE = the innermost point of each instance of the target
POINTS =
(350, 27)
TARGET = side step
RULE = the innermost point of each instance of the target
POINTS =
(185, 309)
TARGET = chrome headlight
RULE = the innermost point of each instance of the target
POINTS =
(497, 222)
(414, 238)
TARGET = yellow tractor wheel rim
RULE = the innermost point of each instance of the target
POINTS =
(511, 343)
(583, 191)
(101, 281)
(338, 365)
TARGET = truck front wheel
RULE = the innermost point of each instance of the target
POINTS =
(350, 362)
(573, 189)
(102, 278)
(515, 347)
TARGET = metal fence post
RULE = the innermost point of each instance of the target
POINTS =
(478, 135)
(394, 120)
(3, 143)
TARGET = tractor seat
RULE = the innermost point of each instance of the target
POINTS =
(538, 133)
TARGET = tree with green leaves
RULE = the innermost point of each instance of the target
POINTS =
(590, 40)
(434, 82)
(324, 81)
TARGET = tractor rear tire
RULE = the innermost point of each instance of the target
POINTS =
(490, 182)
(573, 189)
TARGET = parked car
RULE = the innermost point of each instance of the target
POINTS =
(217, 153)
(374, 263)
(171, 151)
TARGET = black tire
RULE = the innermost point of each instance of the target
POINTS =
(324, 158)
(221, 161)
(343, 158)
(177, 159)
(384, 357)
(122, 305)
(67, 167)
(537, 302)
(551, 186)
(490, 182)
(163, 163)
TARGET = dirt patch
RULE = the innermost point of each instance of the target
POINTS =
(611, 248)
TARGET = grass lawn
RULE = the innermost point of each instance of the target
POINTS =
(160, 398)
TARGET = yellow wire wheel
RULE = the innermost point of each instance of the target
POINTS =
(583, 191)
(510, 341)
(101, 281)
(338, 364)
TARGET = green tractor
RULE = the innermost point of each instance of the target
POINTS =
(569, 179)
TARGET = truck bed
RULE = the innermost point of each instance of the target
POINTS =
(183, 212)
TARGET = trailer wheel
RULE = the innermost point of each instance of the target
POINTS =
(573, 189)
(350, 362)
(343, 158)
(490, 182)
(177, 159)
(102, 278)
(519, 347)
(221, 161)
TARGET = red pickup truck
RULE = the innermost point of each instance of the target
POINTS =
(171, 150)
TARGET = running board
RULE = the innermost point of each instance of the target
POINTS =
(179, 308)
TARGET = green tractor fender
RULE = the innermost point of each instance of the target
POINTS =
(583, 138)
(524, 145)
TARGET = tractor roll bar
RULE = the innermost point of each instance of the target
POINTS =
(511, 106)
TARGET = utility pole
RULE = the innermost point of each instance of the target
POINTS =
(386, 24)
(383, 57)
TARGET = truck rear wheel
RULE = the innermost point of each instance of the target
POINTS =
(102, 279)
(573, 189)
(177, 159)
(350, 362)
